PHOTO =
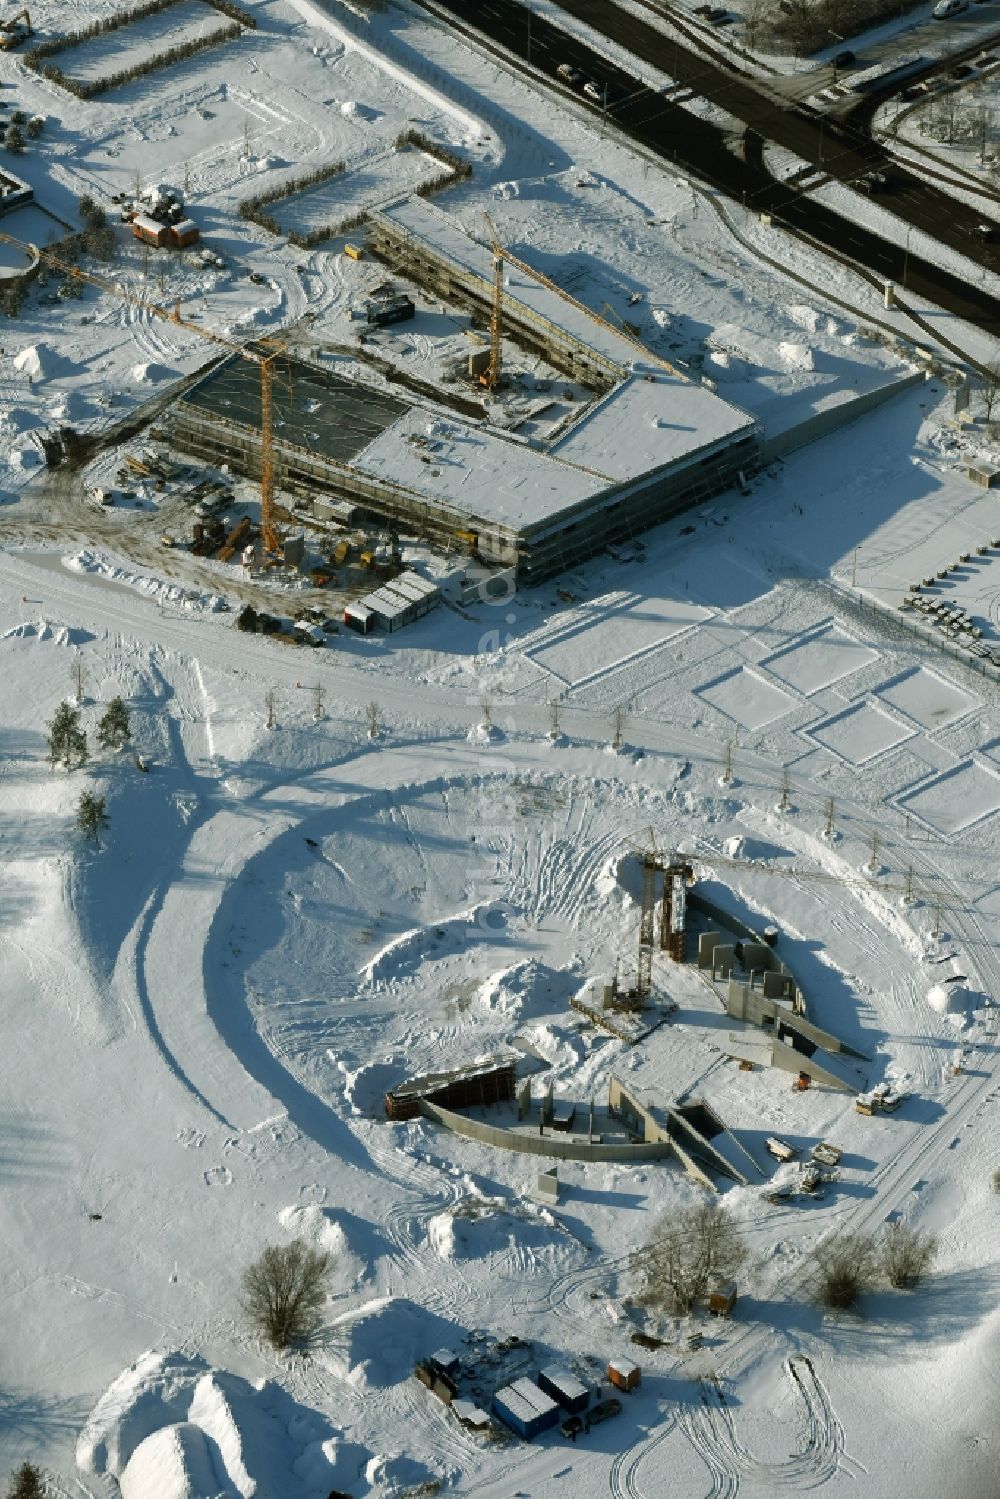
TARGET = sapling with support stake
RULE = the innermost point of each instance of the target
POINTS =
(373, 718)
(318, 701)
(618, 724)
(271, 704)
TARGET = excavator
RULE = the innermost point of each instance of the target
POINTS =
(15, 31)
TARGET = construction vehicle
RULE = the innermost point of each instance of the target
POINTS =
(13, 33)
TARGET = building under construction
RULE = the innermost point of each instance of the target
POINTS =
(648, 444)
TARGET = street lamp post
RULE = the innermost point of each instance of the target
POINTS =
(906, 255)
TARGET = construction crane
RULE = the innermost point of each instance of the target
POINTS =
(680, 870)
(264, 361)
(494, 372)
(12, 33)
(504, 256)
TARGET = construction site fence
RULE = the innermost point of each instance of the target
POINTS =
(925, 633)
(557, 1146)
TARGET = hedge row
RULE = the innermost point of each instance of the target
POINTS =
(180, 53)
(254, 209)
(56, 44)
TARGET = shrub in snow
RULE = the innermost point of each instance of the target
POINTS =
(26, 1483)
(907, 1255)
(848, 1265)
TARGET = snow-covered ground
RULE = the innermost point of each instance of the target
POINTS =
(201, 1018)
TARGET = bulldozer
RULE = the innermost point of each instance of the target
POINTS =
(15, 31)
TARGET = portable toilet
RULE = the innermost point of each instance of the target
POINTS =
(623, 1374)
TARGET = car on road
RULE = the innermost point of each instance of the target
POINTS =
(947, 8)
(962, 71)
(718, 15)
(604, 1410)
(845, 59)
(985, 232)
(594, 91)
(569, 74)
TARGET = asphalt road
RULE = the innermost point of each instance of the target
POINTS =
(735, 167)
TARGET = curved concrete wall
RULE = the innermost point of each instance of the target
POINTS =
(559, 1147)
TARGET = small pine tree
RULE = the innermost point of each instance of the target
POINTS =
(67, 741)
(14, 139)
(26, 1483)
(92, 815)
(114, 730)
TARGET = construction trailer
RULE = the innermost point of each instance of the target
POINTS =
(623, 1374)
(525, 1408)
(184, 233)
(150, 231)
(397, 603)
(562, 1384)
(464, 1087)
(722, 1299)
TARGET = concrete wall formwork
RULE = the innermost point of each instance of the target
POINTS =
(558, 1146)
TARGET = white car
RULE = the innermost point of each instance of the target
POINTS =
(946, 8)
(594, 91)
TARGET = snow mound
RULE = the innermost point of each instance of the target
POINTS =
(20, 420)
(481, 1227)
(43, 629)
(174, 1463)
(804, 316)
(70, 406)
(797, 356)
(398, 1475)
(172, 1427)
(350, 109)
(377, 1344)
(37, 361)
(405, 953)
(526, 985)
(352, 1244)
(954, 998)
(149, 374)
(661, 317)
(25, 458)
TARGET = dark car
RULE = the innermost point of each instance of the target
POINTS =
(604, 1410)
(719, 15)
(962, 71)
(572, 1427)
(845, 59)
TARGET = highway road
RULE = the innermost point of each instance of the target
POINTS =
(711, 153)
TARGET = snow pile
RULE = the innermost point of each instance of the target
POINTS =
(70, 406)
(24, 458)
(43, 629)
(352, 1244)
(87, 561)
(36, 361)
(481, 1227)
(148, 374)
(349, 109)
(804, 316)
(951, 998)
(397, 1475)
(526, 985)
(377, 1344)
(797, 356)
(20, 420)
(175, 1428)
(404, 954)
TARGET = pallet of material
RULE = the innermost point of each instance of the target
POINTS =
(237, 536)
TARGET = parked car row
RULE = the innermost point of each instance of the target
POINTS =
(596, 92)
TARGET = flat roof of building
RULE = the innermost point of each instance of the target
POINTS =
(313, 407)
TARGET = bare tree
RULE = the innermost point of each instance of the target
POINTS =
(318, 699)
(271, 704)
(79, 679)
(907, 1255)
(555, 728)
(756, 14)
(847, 1265)
(487, 708)
(284, 1291)
(687, 1252)
(990, 386)
(373, 718)
(618, 722)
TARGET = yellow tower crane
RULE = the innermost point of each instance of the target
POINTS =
(492, 377)
(264, 361)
